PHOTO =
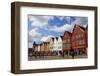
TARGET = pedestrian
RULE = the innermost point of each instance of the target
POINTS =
(73, 54)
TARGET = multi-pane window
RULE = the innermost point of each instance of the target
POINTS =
(66, 46)
(59, 47)
(80, 34)
(82, 42)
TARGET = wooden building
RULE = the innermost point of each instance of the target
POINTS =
(51, 44)
(59, 45)
(79, 40)
(48, 46)
(55, 44)
(42, 47)
(38, 47)
(45, 46)
(66, 40)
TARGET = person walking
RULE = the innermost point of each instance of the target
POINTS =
(72, 54)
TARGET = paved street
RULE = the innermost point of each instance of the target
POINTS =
(55, 57)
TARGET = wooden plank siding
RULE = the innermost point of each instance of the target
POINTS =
(79, 37)
(66, 39)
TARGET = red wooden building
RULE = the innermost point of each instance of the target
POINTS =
(79, 40)
(66, 40)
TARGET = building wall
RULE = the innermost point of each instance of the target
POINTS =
(38, 47)
(55, 45)
(48, 46)
(78, 38)
(66, 41)
(51, 44)
(42, 47)
(33, 48)
(86, 31)
(59, 43)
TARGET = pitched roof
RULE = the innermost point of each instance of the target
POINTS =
(82, 28)
(52, 38)
(67, 32)
(61, 37)
(76, 25)
(56, 38)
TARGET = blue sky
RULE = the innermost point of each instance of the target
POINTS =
(40, 28)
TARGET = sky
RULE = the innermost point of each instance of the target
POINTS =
(41, 27)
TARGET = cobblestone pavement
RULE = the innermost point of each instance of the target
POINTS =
(55, 57)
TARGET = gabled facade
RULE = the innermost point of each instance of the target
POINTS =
(45, 46)
(42, 47)
(59, 43)
(38, 47)
(66, 40)
(79, 39)
(48, 46)
(51, 44)
(55, 45)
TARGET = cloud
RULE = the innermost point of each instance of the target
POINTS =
(39, 21)
(34, 33)
(82, 21)
(61, 29)
(46, 38)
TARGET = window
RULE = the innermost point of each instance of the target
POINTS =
(68, 45)
(82, 42)
(81, 34)
(59, 47)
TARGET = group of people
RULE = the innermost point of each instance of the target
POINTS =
(42, 54)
